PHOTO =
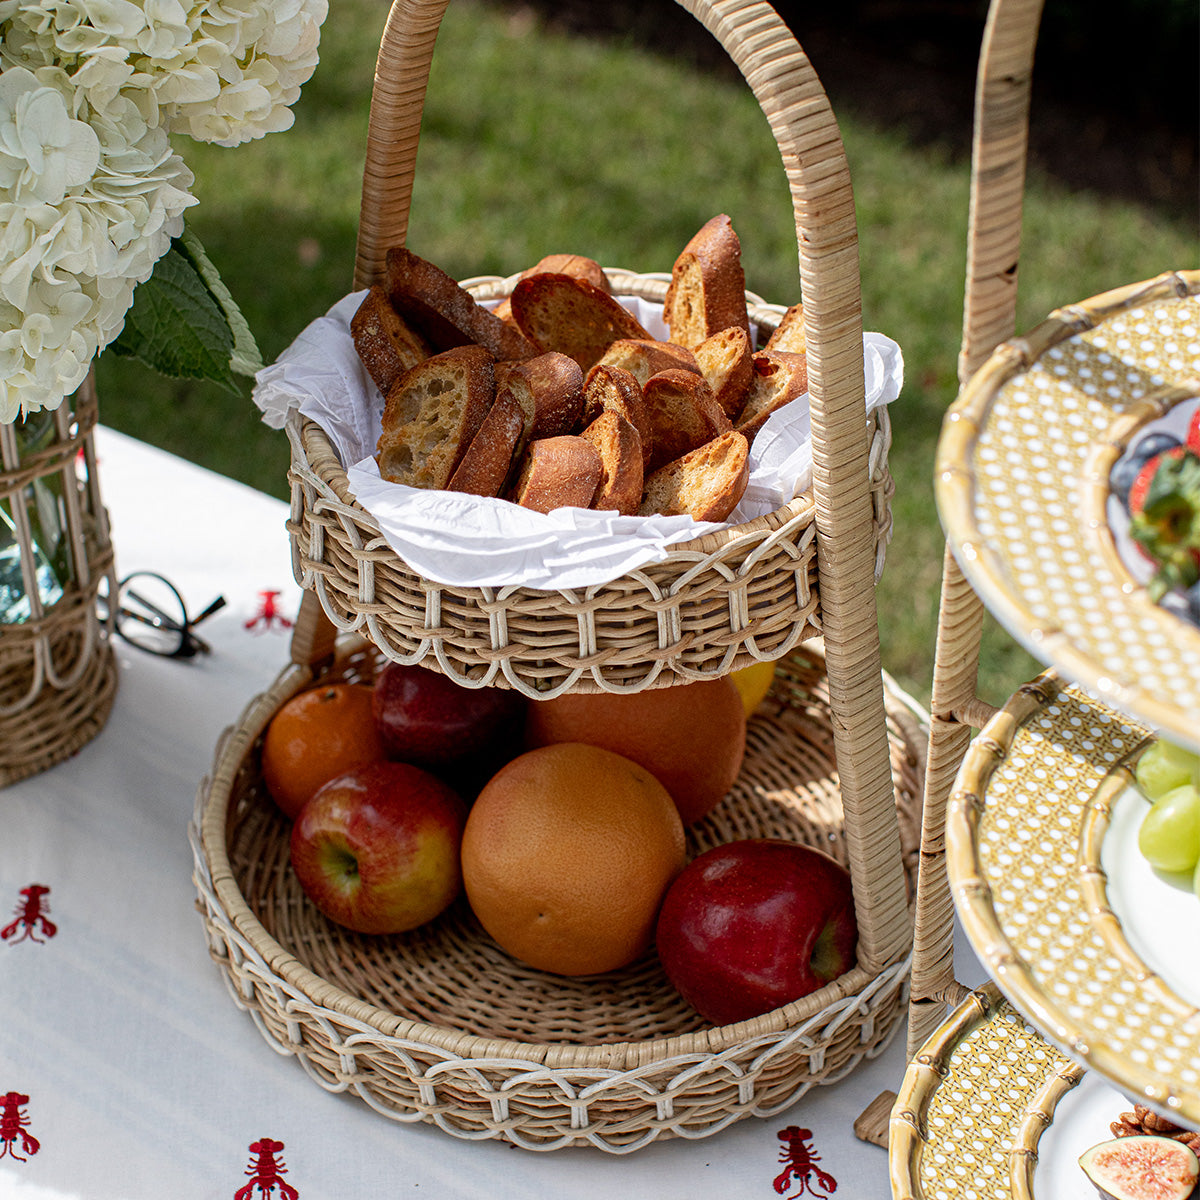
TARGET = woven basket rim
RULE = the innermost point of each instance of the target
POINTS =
(646, 286)
(210, 848)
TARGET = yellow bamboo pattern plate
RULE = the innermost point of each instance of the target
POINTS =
(1040, 842)
(1022, 488)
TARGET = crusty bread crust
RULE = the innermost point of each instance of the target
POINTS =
(485, 467)
(612, 389)
(386, 343)
(789, 334)
(557, 472)
(446, 314)
(707, 292)
(572, 316)
(576, 265)
(549, 389)
(706, 483)
(643, 357)
(779, 378)
(727, 362)
(682, 413)
(620, 450)
(431, 414)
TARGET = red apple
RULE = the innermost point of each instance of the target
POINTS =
(428, 719)
(377, 849)
(755, 924)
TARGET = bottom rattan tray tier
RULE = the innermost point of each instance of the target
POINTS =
(442, 1026)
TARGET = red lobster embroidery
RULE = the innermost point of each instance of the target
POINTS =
(268, 615)
(266, 1172)
(801, 1166)
(31, 917)
(12, 1127)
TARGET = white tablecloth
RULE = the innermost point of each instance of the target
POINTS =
(143, 1080)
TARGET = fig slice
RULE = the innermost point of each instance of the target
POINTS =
(1142, 1167)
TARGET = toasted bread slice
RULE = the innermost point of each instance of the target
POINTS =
(706, 483)
(643, 357)
(682, 413)
(431, 414)
(575, 265)
(727, 362)
(779, 378)
(485, 467)
(572, 316)
(620, 450)
(707, 292)
(556, 472)
(789, 334)
(386, 343)
(446, 314)
(549, 389)
(612, 389)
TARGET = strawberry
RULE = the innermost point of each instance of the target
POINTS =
(1192, 441)
(1164, 507)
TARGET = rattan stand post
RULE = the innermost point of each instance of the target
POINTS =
(795, 586)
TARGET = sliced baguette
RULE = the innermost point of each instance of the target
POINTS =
(549, 389)
(446, 314)
(620, 450)
(727, 362)
(682, 413)
(643, 357)
(779, 378)
(559, 264)
(789, 334)
(572, 316)
(431, 415)
(556, 472)
(612, 389)
(485, 467)
(707, 292)
(706, 483)
(386, 343)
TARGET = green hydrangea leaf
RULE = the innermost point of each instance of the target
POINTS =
(184, 323)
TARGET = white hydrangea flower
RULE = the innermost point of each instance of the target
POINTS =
(91, 191)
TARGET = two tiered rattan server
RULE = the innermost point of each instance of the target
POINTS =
(440, 1026)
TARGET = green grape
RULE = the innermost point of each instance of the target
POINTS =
(1164, 766)
(1169, 836)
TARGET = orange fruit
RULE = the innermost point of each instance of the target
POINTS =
(315, 736)
(567, 853)
(691, 737)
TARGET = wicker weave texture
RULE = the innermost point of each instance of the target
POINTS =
(57, 670)
(712, 606)
(441, 1026)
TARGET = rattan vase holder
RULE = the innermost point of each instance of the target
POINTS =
(58, 674)
(442, 1027)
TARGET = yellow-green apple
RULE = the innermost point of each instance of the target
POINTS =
(377, 849)
(426, 718)
(754, 924)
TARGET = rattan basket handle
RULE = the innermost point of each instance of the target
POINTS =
(802, 122)
(999, 148)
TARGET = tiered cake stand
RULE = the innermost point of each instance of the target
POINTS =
(1029, 831)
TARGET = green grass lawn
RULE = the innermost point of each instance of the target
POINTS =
(534, 143)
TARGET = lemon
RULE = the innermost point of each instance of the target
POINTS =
(754, 682)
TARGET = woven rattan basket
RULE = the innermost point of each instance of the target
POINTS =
(441, 1026)
(749, 592)
(57, 671)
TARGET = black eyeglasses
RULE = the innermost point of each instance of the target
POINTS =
(152, 616)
